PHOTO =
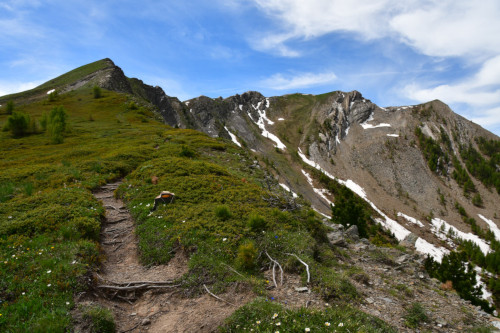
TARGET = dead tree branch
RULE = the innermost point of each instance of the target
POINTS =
(217, 297)
(275, 262)
(307, 266)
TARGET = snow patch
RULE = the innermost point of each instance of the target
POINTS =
(319, 191)
(320, 213)
(241, 107)
(493, 227)
(191, 110)
(187, 103)
(486, 294)
(369, 126)
(261, 124)
(393, 135)
(399, 231)
(50, 91)
(233, 137)
(411, 219)
(289, 190)
(365, 124)
(281, 119)
(437, 253)
(441, 229)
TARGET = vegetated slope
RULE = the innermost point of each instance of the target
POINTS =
(223, 217)
(327, 129)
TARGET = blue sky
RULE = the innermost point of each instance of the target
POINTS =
(395, 52)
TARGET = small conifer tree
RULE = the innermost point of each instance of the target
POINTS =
(56, 124)
(10, 107)
(97, 92)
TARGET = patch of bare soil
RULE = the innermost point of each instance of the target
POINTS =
(147, 298)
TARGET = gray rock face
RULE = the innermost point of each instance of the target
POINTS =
(337, 238)
(410, 240)
(352, 232)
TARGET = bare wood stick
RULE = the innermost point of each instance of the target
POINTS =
(232, 269)
(276, 263)
(128, 283)
(138, 287)
(307, 266)
(217, 297)
(112, 242)
(274, 275)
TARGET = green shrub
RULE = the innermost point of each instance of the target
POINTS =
(333, 286)
(256, 223)
(6, 191)
(97, 92)
(223, 213)
(415, 315)
(56, 124)
(100, 319)
(87, 227)
(477, 200)
(247, 254)
(186, 152)
(18, 124)
(132, 106)
(9, 108)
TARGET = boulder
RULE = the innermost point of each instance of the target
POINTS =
(336, 238)
(352, 232)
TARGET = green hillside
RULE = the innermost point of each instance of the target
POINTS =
(59, 81)
(223, 215)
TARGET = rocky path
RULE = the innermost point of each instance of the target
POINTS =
(147, 298)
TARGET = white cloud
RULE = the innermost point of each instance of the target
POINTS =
(302, 80)
(480, 89)
(435, 28)
(451, 28)
(7, 88)
(489, 118)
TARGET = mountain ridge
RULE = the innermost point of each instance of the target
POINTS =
(409, 166)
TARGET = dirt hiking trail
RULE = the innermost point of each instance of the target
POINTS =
(147, 298)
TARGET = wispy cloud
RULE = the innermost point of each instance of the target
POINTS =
(480, 89)
(298, 81)
(441, 28)
(7, 88)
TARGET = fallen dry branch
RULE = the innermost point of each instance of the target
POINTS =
(130, 283)
(307, 266)
(232, 269)
(275, 262)
(137, 287)
(217, 297)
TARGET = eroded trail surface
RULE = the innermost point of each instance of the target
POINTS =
(146, 298)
